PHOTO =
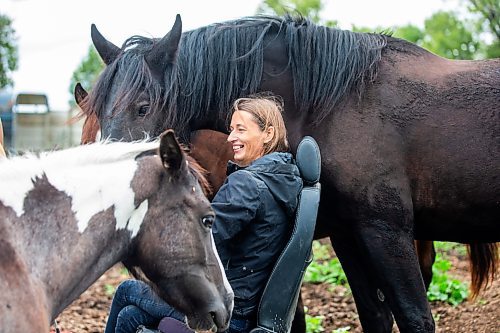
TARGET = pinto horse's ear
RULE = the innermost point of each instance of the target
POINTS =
(80, 94)
(107, 50)
(171, 153)
(165, 51)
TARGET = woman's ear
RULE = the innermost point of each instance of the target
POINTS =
(269, 134)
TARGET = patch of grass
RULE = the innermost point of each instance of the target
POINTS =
(321, 252)
(443, 287)
(327, 271)
(324, 268)
(124, 271)
(451, 247)
(313, 323)
(109, 289)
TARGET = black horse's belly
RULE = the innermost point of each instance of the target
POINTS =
(478, 224)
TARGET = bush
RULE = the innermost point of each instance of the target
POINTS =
(443, 287)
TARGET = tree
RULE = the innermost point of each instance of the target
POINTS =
(444, 34)
(449, 36)
(308, 8)
(411, 33)
(488, 21)
(8, 51)
(87, 72)
(490, 11)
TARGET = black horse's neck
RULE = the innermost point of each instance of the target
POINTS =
(224, 61)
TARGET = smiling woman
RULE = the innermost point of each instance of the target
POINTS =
(253, 209)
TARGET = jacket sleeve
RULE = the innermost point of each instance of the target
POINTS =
(235, 205)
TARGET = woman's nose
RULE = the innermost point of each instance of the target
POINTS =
(231, 137)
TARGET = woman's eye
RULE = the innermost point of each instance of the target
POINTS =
(208, 221)
(143, 110)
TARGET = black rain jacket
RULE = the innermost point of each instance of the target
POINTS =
(255, 209)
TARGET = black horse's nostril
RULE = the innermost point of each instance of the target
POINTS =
(220, 317)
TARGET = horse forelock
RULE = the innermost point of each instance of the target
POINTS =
(136, 77)
(93, 176)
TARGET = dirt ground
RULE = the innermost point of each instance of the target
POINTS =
(88, 313)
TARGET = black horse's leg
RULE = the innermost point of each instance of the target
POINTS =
(374, 315)
(385, 231)
(299, 320)
(397, 270)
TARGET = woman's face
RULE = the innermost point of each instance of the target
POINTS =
(246, 138)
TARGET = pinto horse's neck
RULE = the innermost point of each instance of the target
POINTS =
(65, 228)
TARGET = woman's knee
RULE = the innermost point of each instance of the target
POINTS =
(128, 288)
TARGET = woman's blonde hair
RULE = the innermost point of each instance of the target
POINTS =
(267, 111)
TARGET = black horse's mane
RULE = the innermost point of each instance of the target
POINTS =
(223, 61)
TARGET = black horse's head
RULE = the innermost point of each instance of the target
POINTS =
(132, 94)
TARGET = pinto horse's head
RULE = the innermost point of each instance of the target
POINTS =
(174, 248)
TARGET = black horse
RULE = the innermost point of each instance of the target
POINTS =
(410, 140)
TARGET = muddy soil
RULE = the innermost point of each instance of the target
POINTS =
(335, 303)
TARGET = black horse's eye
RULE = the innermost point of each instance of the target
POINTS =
(143, 110)
(208, 221)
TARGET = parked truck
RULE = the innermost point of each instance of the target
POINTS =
(30, 125)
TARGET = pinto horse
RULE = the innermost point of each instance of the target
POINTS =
(409, 139)
(68, 216)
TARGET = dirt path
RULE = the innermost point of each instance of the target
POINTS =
(335, 303)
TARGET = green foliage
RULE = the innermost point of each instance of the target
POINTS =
(109, 289)
(124, 271)
(328, 271)
(450, 37)
(411, 33)
(489, 11)
(87, 72)
(443, 287)
(324, 269)
(313, 324)
(321, 252)
(451, 247)
(8, 51)
(308, 8)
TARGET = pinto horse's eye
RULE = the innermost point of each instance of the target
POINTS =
(143, 110)
(208, 221)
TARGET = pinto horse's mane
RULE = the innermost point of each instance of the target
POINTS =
(81, 157)
(101, 152)
(327, 64)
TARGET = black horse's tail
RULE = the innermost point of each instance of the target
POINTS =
(483, 263)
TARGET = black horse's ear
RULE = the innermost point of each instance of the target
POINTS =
(80, 94)
(107, 50)
(165, 51)
(171, 153)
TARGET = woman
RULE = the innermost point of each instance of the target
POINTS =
(254, 211)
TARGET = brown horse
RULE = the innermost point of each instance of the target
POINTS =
(68, 216)
(409, 139)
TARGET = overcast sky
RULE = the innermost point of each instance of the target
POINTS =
(54, 35)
